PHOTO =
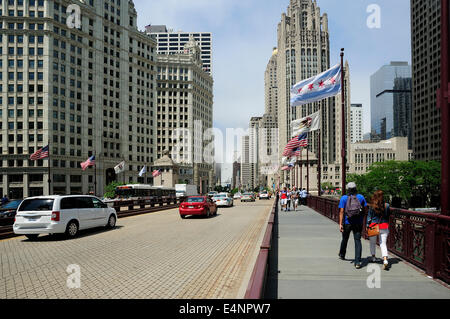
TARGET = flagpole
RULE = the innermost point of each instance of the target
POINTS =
(49, 171)
(307, 169)
(320, 166)
(95, 175)
(301, 168)
(343, 130)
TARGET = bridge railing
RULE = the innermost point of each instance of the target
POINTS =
(422, 239)
(257, 284)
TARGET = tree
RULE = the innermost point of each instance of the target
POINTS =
(414, 183)
(110, 190)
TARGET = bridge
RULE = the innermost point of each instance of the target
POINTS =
(248, 251)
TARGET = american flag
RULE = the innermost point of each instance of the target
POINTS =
(295, 144)
(89, 162)
(156, 173)
(41, 154)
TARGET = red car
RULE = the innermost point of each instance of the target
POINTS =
(198, 206)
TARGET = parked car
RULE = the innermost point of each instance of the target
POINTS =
(248, 197)
(237, 196)
(198, 205)
(9, 210)
(264, 195)
(223, 200)
(62, 215)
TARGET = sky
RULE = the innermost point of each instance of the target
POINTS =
(244, 33)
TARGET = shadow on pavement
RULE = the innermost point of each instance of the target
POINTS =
(271, 289)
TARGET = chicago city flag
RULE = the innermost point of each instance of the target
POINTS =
(143, 171)
(317, 88)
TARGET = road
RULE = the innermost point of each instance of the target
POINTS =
(154, 256)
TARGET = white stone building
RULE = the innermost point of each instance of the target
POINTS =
(84, 91)
(185, 104)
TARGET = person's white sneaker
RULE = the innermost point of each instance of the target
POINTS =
(386, 265)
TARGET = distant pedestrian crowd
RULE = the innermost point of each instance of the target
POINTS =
(290, 199)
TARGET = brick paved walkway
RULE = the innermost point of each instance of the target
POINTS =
(156, 256)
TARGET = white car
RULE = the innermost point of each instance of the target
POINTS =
(223, 200)
(237, 196)
(264, 195)
(62, 215)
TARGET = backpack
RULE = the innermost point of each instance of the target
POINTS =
(353, 207)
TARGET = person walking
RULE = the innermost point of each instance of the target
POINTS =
(284, 199)
(289, 195)
(379, 213)
(295, 197)
(352, 209)
(304, 195)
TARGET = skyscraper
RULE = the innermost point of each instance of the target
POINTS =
(245, 163)
(426, 59)
(84, 91)
(170, 42)
(303, 52)
(382, 96)
(403, 109)
(356, 123)
(185, 104)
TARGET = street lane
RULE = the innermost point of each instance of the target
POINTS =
(152, 256)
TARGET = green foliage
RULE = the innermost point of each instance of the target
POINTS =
(415, 183)
(111, 188)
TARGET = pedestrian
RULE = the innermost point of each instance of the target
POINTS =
(379, 212)
(352, 209)
(284, 199)
(289, 195)
(304, 196)
(295, 198)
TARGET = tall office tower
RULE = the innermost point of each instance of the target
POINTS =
(218, 174)
(271, 86)
(268, 133)
(85, 91)
(356, 123)
(245, 163)
(170, 42)
(403, 109)
(185, 106)
(382, 96)
(254, 150)
(426, 66)
(236, 178)
(303, 52)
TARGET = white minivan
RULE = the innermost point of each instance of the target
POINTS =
(62, 215)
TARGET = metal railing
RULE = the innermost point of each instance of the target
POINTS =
(257, 284)
(422, 239)
(124, 208)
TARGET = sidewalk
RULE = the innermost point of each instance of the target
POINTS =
(309, 268)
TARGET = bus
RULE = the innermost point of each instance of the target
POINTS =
(139, 191)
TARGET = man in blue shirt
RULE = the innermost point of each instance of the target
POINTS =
(353, 224)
